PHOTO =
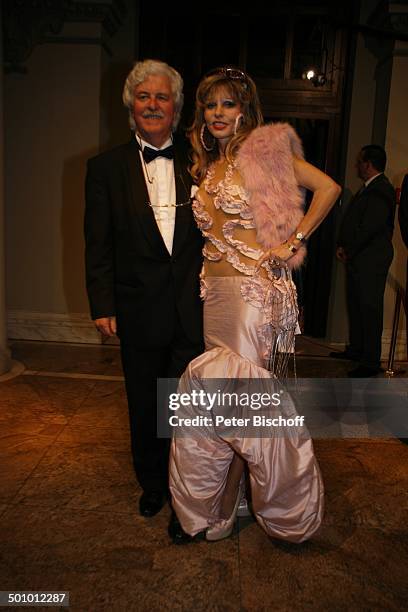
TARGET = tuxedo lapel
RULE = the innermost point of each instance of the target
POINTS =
(140, 199)
(183, 188)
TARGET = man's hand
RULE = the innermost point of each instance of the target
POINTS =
(106, 325)
(341, 254)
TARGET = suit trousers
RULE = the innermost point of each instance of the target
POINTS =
(142, 367)
(365, 305)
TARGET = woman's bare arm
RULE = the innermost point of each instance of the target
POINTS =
(325, 193)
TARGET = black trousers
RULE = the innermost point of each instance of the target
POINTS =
(142, 367)
(365, 305)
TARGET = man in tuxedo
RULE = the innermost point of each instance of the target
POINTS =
(365, 246)
(143, 258)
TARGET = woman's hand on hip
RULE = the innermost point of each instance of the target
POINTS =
(277, 257)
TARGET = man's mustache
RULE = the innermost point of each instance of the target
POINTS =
(153, 115)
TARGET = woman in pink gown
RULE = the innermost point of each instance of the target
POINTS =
(249, 207)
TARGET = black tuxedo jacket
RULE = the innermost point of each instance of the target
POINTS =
(129, 272)
(368, 223)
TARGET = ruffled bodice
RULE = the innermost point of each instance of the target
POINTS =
(223, 214)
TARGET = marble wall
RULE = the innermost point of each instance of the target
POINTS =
(65, 108)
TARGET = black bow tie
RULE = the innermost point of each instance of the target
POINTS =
(151, 154)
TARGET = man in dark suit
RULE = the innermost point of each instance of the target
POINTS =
(365, 246)
(403, 210)
(143, 258)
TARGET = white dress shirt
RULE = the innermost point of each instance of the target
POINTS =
(161, 186)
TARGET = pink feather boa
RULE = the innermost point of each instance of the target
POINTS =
(265, 162)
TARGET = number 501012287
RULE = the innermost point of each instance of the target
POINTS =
(34, 598)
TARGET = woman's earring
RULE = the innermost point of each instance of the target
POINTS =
(206, 147)
(238, 123)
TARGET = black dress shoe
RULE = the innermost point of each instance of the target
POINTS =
(363, 372)
(151, 503)
(342, 355)
(176, 532)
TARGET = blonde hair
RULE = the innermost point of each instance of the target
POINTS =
(242, 89)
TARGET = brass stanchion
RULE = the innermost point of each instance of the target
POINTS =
(405, 302)
(399, 299)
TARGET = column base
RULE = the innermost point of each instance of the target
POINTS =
(15, 369)
(5, 360)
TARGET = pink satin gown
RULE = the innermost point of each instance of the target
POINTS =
(250, 320)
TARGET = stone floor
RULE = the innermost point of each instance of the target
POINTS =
(69, 520)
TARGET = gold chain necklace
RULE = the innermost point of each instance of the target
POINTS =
(150, 179)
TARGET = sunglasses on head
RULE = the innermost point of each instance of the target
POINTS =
(235, 74)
